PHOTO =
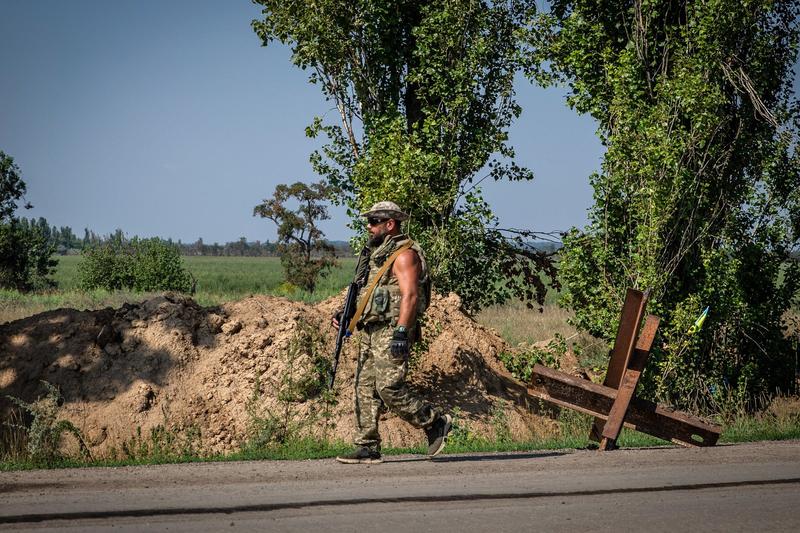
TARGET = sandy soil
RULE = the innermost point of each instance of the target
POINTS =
(169, 362)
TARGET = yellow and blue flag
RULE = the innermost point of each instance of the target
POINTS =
(699, 322)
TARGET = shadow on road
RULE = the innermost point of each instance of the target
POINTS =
(468, 457)
(500, 457)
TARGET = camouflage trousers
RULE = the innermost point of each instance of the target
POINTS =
(380, 385)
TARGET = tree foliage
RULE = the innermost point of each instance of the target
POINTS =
(142, 265)
(12, 188)
(699, 192)
(25, 252)
(424, 93)
(305, 254)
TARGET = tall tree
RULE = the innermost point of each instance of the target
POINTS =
(12, 188)
(424, 92)
(305, 254)
(699, 192)
(25, 252)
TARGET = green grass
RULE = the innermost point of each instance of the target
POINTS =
(305, 449)
(573, 435)
(760, 427)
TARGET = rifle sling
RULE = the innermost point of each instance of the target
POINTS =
(368, 294)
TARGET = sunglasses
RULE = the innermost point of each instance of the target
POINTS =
(374, 221)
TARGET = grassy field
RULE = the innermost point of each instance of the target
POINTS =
(225, 278)
(219, 279)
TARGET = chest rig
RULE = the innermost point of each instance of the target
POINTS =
(384, 304)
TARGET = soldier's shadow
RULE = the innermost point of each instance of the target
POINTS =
(474, 387)
(474, 457)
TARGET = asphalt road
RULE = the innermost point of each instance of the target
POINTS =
(747, 487)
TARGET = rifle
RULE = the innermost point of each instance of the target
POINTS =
(362, 269)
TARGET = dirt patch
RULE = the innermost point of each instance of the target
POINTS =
(169, 362)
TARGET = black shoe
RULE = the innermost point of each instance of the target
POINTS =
(437, 434)
(361, 455)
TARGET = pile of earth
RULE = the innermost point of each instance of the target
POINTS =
(240, 371)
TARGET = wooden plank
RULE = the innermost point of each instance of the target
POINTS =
(626, 389)
(597, 400)
(631, 317)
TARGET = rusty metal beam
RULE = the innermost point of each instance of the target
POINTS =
(632, 312)
(627, 386)
(598, 400)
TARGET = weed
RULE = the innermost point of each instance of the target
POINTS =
(460, 434)
(573, 424)
(520, 362)
(502, 433)
(43, 437)
(306, 346)
(161, 444)
(428, 330)
(13, 438)
(267, 427)
(286, 289)
(304, 380)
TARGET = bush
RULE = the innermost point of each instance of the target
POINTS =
(138, 264)
(303, 271)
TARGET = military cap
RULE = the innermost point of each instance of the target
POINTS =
(386, 210)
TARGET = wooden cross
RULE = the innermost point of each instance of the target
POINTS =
(613, 404)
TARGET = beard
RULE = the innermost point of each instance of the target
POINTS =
(377, 240)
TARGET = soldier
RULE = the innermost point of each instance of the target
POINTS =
(388, 326)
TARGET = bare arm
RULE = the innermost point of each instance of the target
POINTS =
(407, 269)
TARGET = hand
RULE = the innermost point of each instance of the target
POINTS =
(399, 346)
(336, 319)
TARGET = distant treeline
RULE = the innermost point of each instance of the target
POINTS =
(66, 242)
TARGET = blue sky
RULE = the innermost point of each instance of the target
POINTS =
(167, 118)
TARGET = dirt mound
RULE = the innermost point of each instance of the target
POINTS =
(229, 369)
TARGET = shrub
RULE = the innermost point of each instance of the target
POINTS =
(138, 264)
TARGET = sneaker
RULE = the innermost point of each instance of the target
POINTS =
(361, 455)
(437, 434)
